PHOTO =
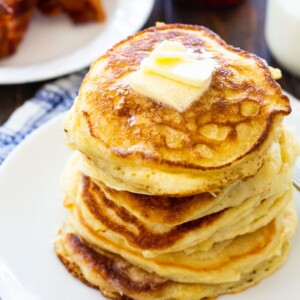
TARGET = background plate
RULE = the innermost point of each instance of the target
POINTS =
(54, 46)
(31, 211)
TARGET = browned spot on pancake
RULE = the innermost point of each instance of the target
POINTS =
(89, 123)
(167, 210)
(118, 274)
(145, 239)
(74, 270)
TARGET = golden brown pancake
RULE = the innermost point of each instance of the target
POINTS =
(116, 278)
(168, 211)
(239, 209)
(141, 146)
(118, 223)
(226, 259)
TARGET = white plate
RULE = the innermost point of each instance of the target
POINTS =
(54, 46)
(31, 211)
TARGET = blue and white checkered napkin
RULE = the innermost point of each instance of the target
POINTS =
(48, 102)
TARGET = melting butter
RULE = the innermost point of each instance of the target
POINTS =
(173, 75)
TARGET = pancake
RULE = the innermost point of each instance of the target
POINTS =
(260, 202)
(116, 277)
(199, 266)
(144, 147)
(168, 211)
(103, 214)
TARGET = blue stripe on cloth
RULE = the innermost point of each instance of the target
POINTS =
(49, 101)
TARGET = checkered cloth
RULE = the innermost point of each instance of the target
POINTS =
(49, 101)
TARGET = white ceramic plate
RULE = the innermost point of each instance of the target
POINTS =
(54, 46)
(31, 211)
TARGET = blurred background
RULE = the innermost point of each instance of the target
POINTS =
(239, 22)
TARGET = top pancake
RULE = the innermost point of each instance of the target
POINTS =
(224, 133)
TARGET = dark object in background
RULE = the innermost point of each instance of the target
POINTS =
(80, 11)
(15, 16)
(209, 3)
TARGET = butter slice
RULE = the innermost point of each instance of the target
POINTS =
(164, 90)
(173, 75)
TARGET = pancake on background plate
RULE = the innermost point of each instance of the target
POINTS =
(179, 186)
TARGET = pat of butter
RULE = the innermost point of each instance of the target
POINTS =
(173, 75)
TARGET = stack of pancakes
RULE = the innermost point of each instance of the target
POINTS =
(177, 205)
